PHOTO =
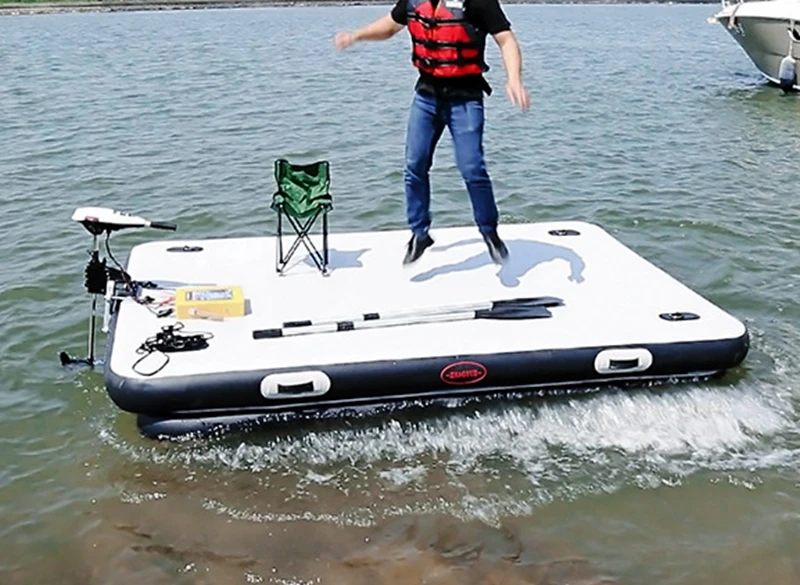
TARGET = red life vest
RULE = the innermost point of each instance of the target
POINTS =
(444, 43)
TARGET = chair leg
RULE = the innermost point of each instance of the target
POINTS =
(302, 237)
(279, 262)
(325, 239)
(303, 230)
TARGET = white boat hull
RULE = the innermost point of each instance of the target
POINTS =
(766, 31)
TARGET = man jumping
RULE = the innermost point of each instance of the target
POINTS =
(448, 43)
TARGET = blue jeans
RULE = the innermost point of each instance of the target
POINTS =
(427, 119)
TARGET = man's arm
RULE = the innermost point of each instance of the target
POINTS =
(379, 30)
(512, 61)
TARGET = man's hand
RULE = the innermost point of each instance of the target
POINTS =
(512, 61)
(379, 30)
(343, 40)
(518, 95)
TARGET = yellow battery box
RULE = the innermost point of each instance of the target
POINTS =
(209, 302)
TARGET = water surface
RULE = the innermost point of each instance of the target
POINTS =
(645, 119)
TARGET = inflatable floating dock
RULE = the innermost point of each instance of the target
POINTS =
(205, 333)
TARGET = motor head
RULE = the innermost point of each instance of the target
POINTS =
(102, 219)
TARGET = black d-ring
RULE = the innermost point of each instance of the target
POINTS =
(679, 316)
(186, 248)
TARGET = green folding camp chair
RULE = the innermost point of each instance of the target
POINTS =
(302, 196)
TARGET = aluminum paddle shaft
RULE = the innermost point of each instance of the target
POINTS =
(510, 309)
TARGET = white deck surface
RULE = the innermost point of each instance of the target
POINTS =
(611, 297)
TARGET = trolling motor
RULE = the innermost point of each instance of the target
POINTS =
(101, 279)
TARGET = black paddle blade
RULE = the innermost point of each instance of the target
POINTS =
(512, 313)
(527, 302)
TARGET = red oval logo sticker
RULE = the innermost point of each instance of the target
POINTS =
(462, 373)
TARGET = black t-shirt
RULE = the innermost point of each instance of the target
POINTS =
(485, 15)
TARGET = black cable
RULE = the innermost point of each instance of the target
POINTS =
(168, 340)
(130, 285)
(125, 276)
